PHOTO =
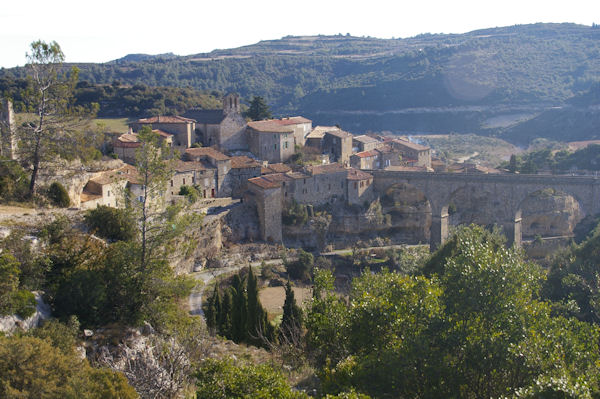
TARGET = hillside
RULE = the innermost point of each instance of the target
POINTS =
(429, 83)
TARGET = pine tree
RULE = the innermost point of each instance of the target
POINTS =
(291, 324)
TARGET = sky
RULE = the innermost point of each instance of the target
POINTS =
(100, 31)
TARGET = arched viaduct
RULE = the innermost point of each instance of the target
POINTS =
(506, 194)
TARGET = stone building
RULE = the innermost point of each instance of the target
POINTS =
(302, 127)
(413, 154)
(181, 128)
(338, 144)
(126, 144)
(190, 173)
(224, 128)
(365, 160)
(242, 169)
(8, 139)
(270, 140)
(213, 159)
(365, 143)
(314, 185)
(107, 188)
(315, 137)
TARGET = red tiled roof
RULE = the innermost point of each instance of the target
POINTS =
(165, 119)
(162, 133)
(355, 174)
(207, 152)
(242, 162)
(367, 154)
(270, 181)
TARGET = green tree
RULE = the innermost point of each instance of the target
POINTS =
(9, 282)
(290, 330)
(51, 99)
(111, 223)
(301, 269)
(58, 195)
(223, 379)
(239, 314)
(258, 109)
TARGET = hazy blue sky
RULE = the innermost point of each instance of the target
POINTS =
(101, 31)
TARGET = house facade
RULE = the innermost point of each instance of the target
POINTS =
(181, 128)
(271, 141)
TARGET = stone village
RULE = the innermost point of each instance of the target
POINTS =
(224, 156)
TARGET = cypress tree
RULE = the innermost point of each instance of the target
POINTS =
(291, 323)
(225, 316)
(210, 313)
(240, 309)
(254, 308)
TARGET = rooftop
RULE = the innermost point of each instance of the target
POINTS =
(186, 166)
(367, 154)
(270, 126)
(242, 162)
(292, 120)
(165, 119)
(411, 145)
(208, 116)
(206, 152)
(319, 131)
(365, 139)
(355, 174)
(270, 181)
(324, 169)
(339, 133)
(275, 168)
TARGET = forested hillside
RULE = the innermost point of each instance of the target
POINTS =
(489, 81)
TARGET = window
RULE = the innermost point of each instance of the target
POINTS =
(171, 183)
(274, 146)
(141, 198)
(184, 182)
(355, 185)
(108, 193)
(285, 145)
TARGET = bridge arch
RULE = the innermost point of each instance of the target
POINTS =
(409, 207)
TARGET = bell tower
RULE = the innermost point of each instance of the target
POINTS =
(231, 103)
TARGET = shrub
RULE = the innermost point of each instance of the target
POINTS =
(58, 195)
(190, 192)
(13, 181)
(111, 223)
(301, 269)
(24, 303)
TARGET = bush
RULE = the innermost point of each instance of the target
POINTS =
(24, 303)
(58, 195)
(190, 192)
(14, 182)
(111, 223)
(301, 269)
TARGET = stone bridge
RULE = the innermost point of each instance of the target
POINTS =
(504, 195)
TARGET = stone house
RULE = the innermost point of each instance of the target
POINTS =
(107, 188)
(270, 140)
(365, 160)
(181, 128)
(302, 127)
(190, 173)
(413, 154)
(338, 144)
(315, 185)
(315, 137)
(126, 144)
(213, 159)
(223, 128)
(242, 169)
(364, 143)
(275, 168)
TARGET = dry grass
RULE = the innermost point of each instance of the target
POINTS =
(272, 298)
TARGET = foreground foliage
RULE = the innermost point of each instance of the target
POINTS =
(474, 328)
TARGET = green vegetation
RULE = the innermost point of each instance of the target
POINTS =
(58, 195)
(556, 161)
(476, 328)
(294, 214)
(258, 109)
(14, 182)
(300, 269)
(238, 314)
(111, 223)
(223, 379)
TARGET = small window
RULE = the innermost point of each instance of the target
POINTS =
(171, 183)
(355, 185)
(108, 193)
(184, 182)
(274, 146)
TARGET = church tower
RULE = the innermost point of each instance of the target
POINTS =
(231, 103)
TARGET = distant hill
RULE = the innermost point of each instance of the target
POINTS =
(493, 81)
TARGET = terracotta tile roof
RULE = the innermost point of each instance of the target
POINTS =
(297, 175)
(386, 149)
(275, 168)
(339, 133)
(162, 133)
(414, 146)
(206, 152)
(128, 138)
(243, 162)
(165, 119)
(187, 166)
(319, 131)
(293, 120)
(270, 126)
(365, 139)
(323, 169)
(367, 154)
(355, 174)
(88, 196)
(270, 181)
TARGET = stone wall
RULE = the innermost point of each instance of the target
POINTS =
(233, 133)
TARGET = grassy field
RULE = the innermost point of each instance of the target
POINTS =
(116, 125)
